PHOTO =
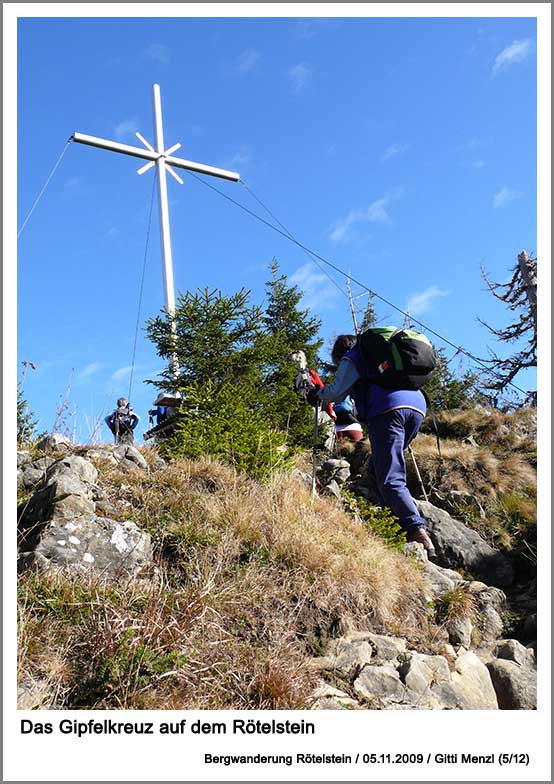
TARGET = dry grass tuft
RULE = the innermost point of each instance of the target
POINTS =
(251, 580)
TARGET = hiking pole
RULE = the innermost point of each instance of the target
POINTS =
(314, 458)
(411, 451)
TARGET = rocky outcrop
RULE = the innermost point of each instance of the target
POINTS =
(61, 528)
(381, 672)
(461, 547)
(401, 679)
(515, 685)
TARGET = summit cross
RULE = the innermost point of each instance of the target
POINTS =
(164, 161)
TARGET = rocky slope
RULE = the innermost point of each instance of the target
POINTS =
(304, 607)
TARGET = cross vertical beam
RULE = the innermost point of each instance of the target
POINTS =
(164, 161)
(167, 258)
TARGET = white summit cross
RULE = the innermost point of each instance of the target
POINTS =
(163, 160)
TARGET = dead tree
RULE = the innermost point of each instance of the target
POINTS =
(520, 295)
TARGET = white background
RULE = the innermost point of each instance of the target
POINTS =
(58, 757)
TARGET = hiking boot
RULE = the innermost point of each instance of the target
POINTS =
(421, 536)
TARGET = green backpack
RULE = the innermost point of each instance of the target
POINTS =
(396, 358)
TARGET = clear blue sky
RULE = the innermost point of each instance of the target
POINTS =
(404, 150)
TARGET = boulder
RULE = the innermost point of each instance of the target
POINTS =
(515, 686)
(332, 488)
(379, 685)
(491, 602)
(23, 458)
(102, 455)
(74, 466)
(513, 650)
(458, 546)
(416, 675)
(61, 529)
(326, 697)
(55, 442)
(33, 693)
(472, 683)
(460, 631)
(93, 544)
(350, 656)
(336, 469)
(384, 648)
(126, 452)
(440, 580)
(31, 476)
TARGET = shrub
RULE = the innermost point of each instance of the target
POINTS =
(380, 521)
(220, 422)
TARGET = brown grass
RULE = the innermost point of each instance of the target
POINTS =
(251, 580)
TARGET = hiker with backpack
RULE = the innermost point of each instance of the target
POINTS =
(383, 370)
(347, 425)
(122, 422)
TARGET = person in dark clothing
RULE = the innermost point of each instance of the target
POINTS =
(122, 422)
(393, 418)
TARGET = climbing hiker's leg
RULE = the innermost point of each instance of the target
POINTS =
(388, 434)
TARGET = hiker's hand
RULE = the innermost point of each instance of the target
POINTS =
(312, 398)
(315, 379)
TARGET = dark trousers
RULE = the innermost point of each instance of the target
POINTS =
(390, 434)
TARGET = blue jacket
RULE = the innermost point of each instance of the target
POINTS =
(371, 399)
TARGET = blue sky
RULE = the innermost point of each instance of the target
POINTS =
(403, 150)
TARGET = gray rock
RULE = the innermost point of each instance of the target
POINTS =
(459, 631)
(127, 452)
(438, 666)
(460, 546)
(384, 648)
(302, 477)
(472, 683)
(73, 465)
(98, 544)
(379, 684)
(23, 458)
(460, 498)
(33, 693)
(55, 442)
(513, 650)
(327, 697)
(515, 686)
(102, 455)
(332, 474)
(490, 602)
(416, 675)
(349, 657)
(31, 476)
(441, 580)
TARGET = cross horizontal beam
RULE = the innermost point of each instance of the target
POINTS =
(152, 155)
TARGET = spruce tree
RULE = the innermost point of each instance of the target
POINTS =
(289, 328)
(222, 352)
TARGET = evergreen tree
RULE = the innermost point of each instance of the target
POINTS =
(222, 351)
(26, 422)
(445, 390)
(289, 328)
(217, 339)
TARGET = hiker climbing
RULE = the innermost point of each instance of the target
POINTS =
(122, 422)
(383, 370)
